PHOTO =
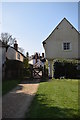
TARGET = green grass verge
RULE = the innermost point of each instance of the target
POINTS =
(55, 99)
(8, 85)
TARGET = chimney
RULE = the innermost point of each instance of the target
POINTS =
(16, 45)
(36, 57)
(42, 55)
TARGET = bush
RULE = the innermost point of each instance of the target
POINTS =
(14, 69)
(26, 72)
(58, 69)
(25, 63)
(66, 68)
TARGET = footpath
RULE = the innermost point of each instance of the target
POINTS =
(16, 103)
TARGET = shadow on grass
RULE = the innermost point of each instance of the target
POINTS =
(8, 85)
(40, 109)
(17, 103)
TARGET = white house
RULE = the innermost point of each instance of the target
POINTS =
(10, 53)
(63, 42)
(13, 54)
(37, 60)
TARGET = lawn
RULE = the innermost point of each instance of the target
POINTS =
(55, 99)
(8, 85)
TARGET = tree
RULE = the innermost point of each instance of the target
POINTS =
(26, 60)
(7, 39)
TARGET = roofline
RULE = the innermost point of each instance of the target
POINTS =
(3, 45)
(17, 51)
(58, 25)
(72, 26)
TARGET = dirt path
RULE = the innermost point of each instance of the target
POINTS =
(17, 101)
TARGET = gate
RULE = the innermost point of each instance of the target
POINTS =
(37, 73)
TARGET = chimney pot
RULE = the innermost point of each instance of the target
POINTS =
(16, 45)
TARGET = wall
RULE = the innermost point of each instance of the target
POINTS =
(64, 33)
(19, 56)
(3, 54)
(31, 62)
(0, 61)
(3, 61)
(12, 54)
(79, 46)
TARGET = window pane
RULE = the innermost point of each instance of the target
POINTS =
(66, 46)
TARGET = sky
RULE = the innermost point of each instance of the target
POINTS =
(32, 22)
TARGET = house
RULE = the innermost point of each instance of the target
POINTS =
(63, 42)
(11, 54)
(36, 60)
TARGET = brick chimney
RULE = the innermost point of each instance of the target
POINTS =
(42, 55)
(16, 45)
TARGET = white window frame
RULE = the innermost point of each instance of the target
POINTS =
(66, 46)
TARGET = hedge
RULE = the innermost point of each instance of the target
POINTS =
(14, 69)
(66, 68)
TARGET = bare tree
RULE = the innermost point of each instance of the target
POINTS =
(7, 39)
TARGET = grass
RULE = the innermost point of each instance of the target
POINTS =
(8, 85)
(55, 99)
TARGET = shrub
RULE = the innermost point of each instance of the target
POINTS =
(26, 72)
(66, 68)
(25, 63)
(14, 69)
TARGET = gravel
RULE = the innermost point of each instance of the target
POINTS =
(16, 103)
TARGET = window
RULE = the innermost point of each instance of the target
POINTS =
(66, 46)
(18, 56)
